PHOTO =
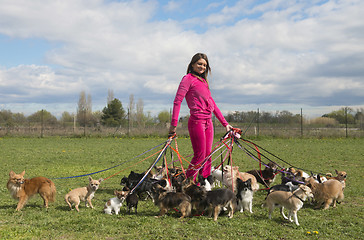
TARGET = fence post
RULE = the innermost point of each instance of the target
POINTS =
(128, 121)
(42, 123)
(301, 124)
(258, 123)
(84, 124)
(346, 122)
(74, 123)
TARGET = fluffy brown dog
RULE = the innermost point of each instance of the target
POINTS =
(166, 200)
(232, 173)
(292, 201)
(83, 194)
(326, 193)
(22, 189)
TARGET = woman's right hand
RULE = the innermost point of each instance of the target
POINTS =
(172, 131)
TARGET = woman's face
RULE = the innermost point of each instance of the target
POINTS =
(200, 66)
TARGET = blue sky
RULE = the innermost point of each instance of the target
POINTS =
(271, 54)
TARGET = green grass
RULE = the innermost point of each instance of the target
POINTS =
(60, 157)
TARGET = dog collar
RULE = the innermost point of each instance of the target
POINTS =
(297, 197)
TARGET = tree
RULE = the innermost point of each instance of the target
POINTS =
(359, 117)
(84, 109)
(6, 118)
(131, 110)
(140, 117)
(96, 117)
(164, 117)
(19, 118)
(67, 119)
(113, 115)
(110, 96)
(9, 119)
(342, 115)
(43, 116)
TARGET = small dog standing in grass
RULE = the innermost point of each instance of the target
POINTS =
(292, 201)
(220, 198)
(22, 189)
(83, 194)
(115, 203)
(166, 200)
(132, 202)
(245, 195)
(326, 193)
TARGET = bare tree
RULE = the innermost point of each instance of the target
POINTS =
(84, 109)
(140, 117)
(131, 110)
(110, 96)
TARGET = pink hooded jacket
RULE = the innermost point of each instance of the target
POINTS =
(198, 98)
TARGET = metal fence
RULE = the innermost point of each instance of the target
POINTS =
(249, 130)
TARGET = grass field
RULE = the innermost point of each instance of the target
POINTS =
(62, 157)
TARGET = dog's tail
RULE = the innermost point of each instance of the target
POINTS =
(66, 199)
(53, 191)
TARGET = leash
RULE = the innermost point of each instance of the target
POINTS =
(167, 144)
(88, 174)
(132, 165)
(268, 152)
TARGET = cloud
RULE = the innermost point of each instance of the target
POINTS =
(271, 52)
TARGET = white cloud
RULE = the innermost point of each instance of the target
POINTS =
(298, 52)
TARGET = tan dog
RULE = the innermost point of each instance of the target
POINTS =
(22, 189)
(232, 173)
(292, 201)
(298, 174)
(83, 194)
(326, 193)
(341, 177)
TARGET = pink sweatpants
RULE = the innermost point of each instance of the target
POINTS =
(202, 136)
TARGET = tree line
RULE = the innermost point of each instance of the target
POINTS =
(115, 114)
(345, 115)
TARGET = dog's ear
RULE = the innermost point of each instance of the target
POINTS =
(249, 181)
(101, 179)
(239, 182)
(11, 173)
(22, 173)
(210, 179)
(162, 183)
(90, 178)
(336, 172)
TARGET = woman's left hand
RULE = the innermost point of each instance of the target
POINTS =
(228, 127)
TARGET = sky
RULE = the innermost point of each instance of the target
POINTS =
(271, 55)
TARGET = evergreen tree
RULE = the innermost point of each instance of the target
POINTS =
(114, 114)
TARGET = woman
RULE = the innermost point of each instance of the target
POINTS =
(195, 88)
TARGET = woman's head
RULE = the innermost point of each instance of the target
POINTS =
(199, 65)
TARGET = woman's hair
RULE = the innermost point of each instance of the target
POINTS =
(194, 59)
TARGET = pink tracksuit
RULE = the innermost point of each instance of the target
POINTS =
(200, 127)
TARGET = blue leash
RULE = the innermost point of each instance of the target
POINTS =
(88, 174)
